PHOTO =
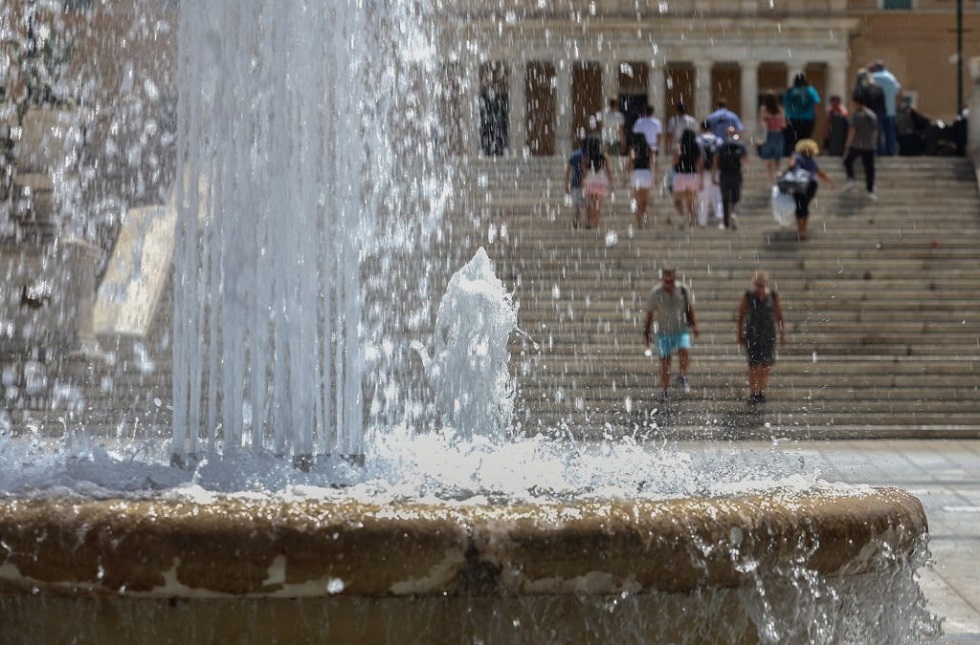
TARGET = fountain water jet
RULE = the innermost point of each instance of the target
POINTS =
(279, 310)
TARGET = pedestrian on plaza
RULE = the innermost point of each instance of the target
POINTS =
(772, 120)
(573, 180)
(805, 158)
(688, 166)
(597, 180)
(836, 130)
(614, 129)
(760, 319)
(726, 173)
(722, 118)
(868, 92)
(911, 127)
(677, 124)
(650, 127)
(862, 136)
(672, 307)
(887, 137)
(800, 102)
(640, 177)
(709, 199)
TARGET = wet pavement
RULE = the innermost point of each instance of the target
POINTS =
(945, 476)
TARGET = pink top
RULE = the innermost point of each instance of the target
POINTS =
(774, 122)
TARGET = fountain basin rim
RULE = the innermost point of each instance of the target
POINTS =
(236, 547)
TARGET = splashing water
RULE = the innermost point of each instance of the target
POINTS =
(288, 187)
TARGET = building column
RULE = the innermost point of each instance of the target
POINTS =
(517, 108)
(563, 124)
(656, 92)
(837, 81)
(610, 82)
(750, 96)
(792, 71)
(470, 88)
(702, 88)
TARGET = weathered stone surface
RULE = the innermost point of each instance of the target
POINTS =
(274, 548)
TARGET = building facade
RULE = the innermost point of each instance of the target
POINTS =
(523, 77)
(528, 76)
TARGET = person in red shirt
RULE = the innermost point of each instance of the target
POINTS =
(836, 130)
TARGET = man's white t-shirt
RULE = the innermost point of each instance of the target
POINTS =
(651, 129)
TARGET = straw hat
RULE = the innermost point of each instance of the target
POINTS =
(807, 147)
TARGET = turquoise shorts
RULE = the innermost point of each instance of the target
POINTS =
(667, 344)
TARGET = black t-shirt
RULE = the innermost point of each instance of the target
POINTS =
(730, 156)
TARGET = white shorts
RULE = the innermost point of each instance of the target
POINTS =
(641, 179)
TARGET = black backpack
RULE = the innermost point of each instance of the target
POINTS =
(730, 158)
(709, 146)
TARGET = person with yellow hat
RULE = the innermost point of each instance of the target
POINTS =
(805, 158)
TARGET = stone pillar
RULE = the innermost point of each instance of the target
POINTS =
(610, 82)
(750, 96)
(792, 69)
(517, 114)
(563, 126)
(470, 88)
(702, 89)
(656, 91)
(837, 81)
(973, 124)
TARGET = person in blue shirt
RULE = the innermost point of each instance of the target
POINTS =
(800, 102)
(887, 136)
(721, 119)
(805, 158)
(573, 180)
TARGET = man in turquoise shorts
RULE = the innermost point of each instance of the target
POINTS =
(670, 304)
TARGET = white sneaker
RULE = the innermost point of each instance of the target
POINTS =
(849, 185)
(873, 196)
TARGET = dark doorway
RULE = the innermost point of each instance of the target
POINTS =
(679, 78)
(541, 108)
(726, 83)
(586, 96)
(634, 79)
(494, 109)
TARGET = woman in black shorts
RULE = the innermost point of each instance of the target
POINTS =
(759, 319)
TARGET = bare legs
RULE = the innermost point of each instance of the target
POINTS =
(772, 167)
(594, 211)
(759, 379)
(684, 356)
(641, 200)
(686, 203)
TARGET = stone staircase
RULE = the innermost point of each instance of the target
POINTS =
(881, 305)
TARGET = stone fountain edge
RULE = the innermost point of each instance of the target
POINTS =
(264, 547)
